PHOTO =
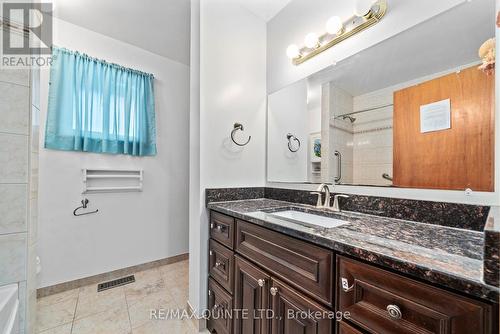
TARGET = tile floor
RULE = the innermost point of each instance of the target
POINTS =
(122, 310)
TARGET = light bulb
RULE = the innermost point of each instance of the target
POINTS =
(362, 7)
(293, 51)
(334, 25)
(311, 40)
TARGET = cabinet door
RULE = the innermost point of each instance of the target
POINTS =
(220, 304)
(251, 294)
(295, 313)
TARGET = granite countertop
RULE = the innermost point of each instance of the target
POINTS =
(450, 257)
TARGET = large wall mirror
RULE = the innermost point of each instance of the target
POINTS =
(414, 111)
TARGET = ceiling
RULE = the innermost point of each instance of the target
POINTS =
(449, 40)
(265, 9)
(159, 26)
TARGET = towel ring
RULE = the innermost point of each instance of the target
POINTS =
(85, 202)
(238, 126)
(291, 137)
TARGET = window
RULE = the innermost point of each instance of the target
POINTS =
(95, 106)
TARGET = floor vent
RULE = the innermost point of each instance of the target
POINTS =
(115, 283)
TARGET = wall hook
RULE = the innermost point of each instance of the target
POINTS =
(291, 137)
(238, 126)
(84, 205)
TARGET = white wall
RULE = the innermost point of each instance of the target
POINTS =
(130, 228)
(303, 16)
(232, 76)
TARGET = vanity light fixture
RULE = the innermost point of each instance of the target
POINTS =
(366, 14)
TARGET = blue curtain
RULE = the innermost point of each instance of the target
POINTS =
(95, 106)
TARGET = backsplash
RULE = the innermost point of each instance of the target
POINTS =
(233, 194)
(491, 266)
(471, 217)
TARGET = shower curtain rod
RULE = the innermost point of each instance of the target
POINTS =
(365, 110)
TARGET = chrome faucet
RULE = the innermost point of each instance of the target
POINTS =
(336, 206)
(322, 188)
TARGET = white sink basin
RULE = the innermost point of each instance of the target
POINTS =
(310, 219)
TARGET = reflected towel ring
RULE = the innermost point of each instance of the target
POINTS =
(291, 137)
(238, 126)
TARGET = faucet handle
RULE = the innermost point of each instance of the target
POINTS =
(319, 193)
(336, 206)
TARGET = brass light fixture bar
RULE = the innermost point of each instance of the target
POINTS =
(351, 27)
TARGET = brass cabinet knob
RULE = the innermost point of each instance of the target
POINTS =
(394, 311)
(261, 282)
(274, 291)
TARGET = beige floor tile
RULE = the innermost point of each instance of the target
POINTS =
(166, 327)
(140, 312)
(147, 282)
(92, 302)
(175, 275)
(116, 311)
(114, 321)
(64, 329)
(180, 295)
(58, 297)
(55, 315)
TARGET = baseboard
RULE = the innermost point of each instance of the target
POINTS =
(115, 274)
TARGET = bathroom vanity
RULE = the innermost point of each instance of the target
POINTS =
(371, 275)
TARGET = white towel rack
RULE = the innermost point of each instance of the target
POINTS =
(112, 180)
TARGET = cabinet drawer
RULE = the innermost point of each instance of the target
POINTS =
(344, 328)
(220, 303)
(306, 267)
(221, 264)
(222, 229)
(382, 302)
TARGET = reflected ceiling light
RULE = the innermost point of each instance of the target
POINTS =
(362, 7)
(312, 40)
(293, 51)
(334, 26)
(366, 14)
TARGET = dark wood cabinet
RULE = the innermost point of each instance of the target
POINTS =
(296, 314)
(221, 265)
(345, 328)
(386, 303)
(251, 294)
(254, 269)
(222, 229)
(301, 264)
(220, 304)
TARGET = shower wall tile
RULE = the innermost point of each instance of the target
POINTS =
(35, 129)
(14, 108)
(33, 221)
(13, 248)
(19, 77)
(13, 208)
(13, 158)
(22, 306)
